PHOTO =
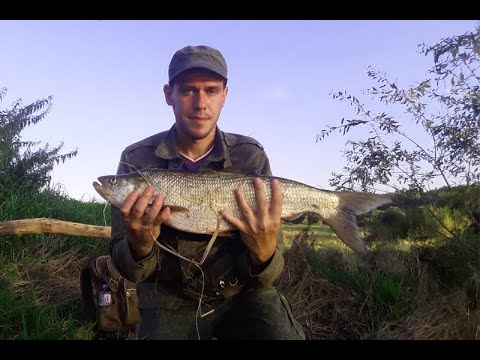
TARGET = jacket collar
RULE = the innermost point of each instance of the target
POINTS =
(167, 149)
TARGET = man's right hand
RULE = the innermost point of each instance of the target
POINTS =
(143, 221)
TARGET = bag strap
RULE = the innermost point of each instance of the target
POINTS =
(105, 269)
(112, 269)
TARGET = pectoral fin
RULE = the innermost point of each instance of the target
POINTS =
(293, 217)
(176, 208)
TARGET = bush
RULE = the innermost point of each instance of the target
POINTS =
(24, 165)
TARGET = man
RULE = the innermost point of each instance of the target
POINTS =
(230, 296)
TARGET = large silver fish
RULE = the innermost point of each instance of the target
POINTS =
(195, 199)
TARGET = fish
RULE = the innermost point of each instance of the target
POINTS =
(196, 198)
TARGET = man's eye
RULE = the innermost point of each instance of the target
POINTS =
(187, 90)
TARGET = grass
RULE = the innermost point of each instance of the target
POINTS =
(406, 290)
(39, 274)
(402, 292)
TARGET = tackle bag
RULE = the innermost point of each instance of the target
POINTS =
(110, 299)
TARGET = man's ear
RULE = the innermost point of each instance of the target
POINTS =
(225, 93)
(168, 90)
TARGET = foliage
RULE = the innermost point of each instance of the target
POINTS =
(418, 217)
(25, 164)
(388, 225)
(39, 273)
(412, 290)
(444, 108)
(430, 136)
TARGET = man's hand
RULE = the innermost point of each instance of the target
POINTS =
(259, 230)
(143, 220)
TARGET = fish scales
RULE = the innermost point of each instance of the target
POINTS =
(195, 199)
(205, 194)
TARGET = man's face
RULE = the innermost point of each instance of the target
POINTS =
(197, 98)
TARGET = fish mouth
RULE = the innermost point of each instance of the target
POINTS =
(100, 190)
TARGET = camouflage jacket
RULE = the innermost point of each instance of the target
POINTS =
(163, 280)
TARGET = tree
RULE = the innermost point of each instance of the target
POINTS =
(25, 164)
(445, 107)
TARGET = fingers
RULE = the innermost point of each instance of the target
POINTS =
(263, 210)
(127, 204)
(258, 227)
(154, 213)
(260, 198)
(135, 204)
(247, 213)
(243, 205)
(236, 222)
(136, 207)
(277, 199)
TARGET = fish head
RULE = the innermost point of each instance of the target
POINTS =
(115, 188)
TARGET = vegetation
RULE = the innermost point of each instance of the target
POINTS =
(39, 274)
(440, 226)
(25, 164)
(421, 282)
(411, 289)
(445, 108)
(39, 296)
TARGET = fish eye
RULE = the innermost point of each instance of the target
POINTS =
(113, 181)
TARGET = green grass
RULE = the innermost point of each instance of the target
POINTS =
(36, 268)
(407, 290)
(402, 280)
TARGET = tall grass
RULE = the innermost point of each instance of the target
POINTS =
(405, 290)
(410, 288)
(39, 274)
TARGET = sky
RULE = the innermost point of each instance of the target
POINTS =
(106, 79)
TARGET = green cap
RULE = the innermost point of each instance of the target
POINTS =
(204, 57)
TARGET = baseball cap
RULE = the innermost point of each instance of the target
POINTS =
(200, 56)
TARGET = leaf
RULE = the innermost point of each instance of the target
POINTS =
(454, 51)
(475, 47)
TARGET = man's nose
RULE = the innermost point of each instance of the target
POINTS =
(201, 100)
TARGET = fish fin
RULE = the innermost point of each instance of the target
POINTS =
(344, 223)
(361, 202)
(294, 218)
(176, 208)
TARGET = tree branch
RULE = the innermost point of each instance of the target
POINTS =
(52, 226)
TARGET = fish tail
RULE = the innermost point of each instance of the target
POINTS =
(344, 223)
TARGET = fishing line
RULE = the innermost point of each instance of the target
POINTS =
(138, 171)
(191, 261)
(104, 214)
(198, 265)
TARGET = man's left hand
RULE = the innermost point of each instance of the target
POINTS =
(259, 229)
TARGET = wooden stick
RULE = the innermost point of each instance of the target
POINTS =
(52, 226)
